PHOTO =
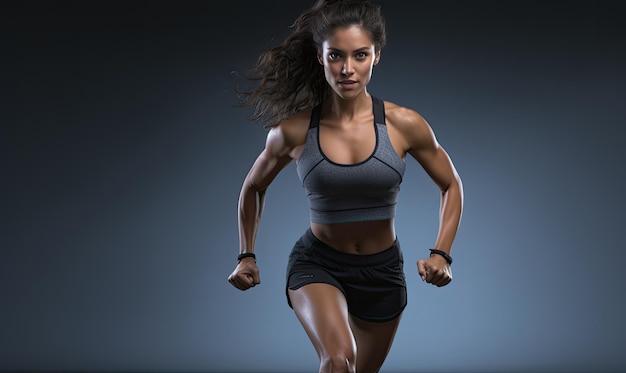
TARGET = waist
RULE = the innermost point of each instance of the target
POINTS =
(355, 214)
(366, 237)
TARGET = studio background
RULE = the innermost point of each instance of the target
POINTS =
(123, 156)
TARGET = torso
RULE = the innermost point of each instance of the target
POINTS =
(365, 237)
(350, 143)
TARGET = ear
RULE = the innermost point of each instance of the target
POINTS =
(377, 58)
(319, 58)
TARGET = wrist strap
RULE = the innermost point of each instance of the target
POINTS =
(442, 253)
(245, 255)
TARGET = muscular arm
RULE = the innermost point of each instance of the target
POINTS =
(273, 158)
(436, 162)
(268, 164)
(420, 142)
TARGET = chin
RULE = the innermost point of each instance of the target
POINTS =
(348, 94)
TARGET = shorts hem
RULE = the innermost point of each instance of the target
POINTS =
(380, 319)
(298, 286)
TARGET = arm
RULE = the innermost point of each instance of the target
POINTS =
(436, 162)
(422, 145)
(268, 164)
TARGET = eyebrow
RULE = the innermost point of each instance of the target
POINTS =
(362, 49)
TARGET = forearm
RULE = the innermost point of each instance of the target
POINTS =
(251, 202)
(450, 212)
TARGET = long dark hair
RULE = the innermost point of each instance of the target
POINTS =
(289, 77)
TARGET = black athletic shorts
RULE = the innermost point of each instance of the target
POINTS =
(374, 285)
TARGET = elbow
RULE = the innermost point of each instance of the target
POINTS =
(251, 184)
(251, 193)
(455, 184)
(453, 190)
(256, 187)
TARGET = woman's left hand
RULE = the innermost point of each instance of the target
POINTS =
(435, 270)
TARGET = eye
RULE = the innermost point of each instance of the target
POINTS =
(361, 55)
(333, 55)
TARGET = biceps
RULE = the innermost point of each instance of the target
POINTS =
(265, 169)
(438, 166)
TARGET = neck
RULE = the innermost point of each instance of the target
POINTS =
(348, 109)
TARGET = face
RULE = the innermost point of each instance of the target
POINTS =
(348, 56)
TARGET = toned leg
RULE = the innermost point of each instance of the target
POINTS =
(373, 341)
(323, 312)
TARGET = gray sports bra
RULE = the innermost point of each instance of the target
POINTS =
(363, 191)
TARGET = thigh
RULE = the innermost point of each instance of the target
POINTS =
(377, 292)
(373, 341)
(323, 312)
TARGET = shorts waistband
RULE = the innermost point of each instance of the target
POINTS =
(338, 256)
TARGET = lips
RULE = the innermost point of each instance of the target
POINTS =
(348, 83)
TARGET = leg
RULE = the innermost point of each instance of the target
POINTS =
(373, 341)
(323, 312)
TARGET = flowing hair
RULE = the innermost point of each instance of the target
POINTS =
(289, 76)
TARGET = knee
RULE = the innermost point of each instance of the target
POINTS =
(341, 361)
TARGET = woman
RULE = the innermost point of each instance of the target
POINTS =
(345, 278)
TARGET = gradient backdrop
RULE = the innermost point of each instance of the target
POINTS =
(122, 159)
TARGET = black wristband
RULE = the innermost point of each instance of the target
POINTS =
(245, 255)
(442, 253)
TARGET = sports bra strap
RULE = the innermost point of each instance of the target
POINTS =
(315, 116)
(379, 110)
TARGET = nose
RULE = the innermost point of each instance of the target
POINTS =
(347, 68)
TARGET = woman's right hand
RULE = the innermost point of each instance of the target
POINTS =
(245, 275)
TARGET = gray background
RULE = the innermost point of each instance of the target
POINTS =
(122, 159)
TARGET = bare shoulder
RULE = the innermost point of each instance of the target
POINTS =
(409, 124)
(293, 130)
(403, 118)
(288, 136)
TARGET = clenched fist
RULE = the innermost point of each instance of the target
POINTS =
(435, 270)
(245, 275)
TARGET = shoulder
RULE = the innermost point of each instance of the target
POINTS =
(409, 124)
(294, 129)
(291, 132)
(403, 118)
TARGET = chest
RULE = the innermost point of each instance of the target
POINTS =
(348, 144)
